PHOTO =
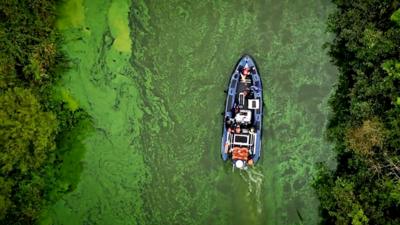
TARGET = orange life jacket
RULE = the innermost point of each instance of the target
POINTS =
(240, 153)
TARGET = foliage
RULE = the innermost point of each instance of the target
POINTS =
(365, 122)
(32, 122)
(27, 134)
(396, 17)
(365, 139)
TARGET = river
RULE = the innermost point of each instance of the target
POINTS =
(151, 75)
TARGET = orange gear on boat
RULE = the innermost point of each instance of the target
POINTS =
(240, 153)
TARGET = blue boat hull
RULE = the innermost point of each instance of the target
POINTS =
(231, 101)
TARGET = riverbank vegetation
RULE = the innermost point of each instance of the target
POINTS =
(34, 121)
(365, 124)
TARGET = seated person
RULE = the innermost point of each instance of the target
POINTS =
(237, 129)
(246, 71)
(229, 121)
(254, 88)
(253, 69)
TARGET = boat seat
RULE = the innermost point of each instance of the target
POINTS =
(254, 103)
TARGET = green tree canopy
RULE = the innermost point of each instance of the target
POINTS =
(26, 132)
(365, 124)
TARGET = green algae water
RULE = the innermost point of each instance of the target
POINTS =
(151, 75)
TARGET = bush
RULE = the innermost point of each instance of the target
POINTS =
(32, 121)
(365, 125)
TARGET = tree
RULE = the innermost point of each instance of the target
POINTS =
(365, 125)
(31, 119)
(367, 138)
(26, 132)
(396, 17)
(26, 141)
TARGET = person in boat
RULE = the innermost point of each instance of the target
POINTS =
(231, 130)
(237, 129)
(252, 131)
(250, 162)
(226, 147)
(237, 109)
(228, 121)
(251, 94)
(254, 88)
(233, 110)
(246, 71)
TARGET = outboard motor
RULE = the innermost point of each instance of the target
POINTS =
(240, 164)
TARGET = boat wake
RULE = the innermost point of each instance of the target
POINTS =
(254, 179)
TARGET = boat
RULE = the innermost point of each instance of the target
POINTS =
(242, 123)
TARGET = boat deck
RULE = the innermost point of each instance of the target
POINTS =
(244, 86)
